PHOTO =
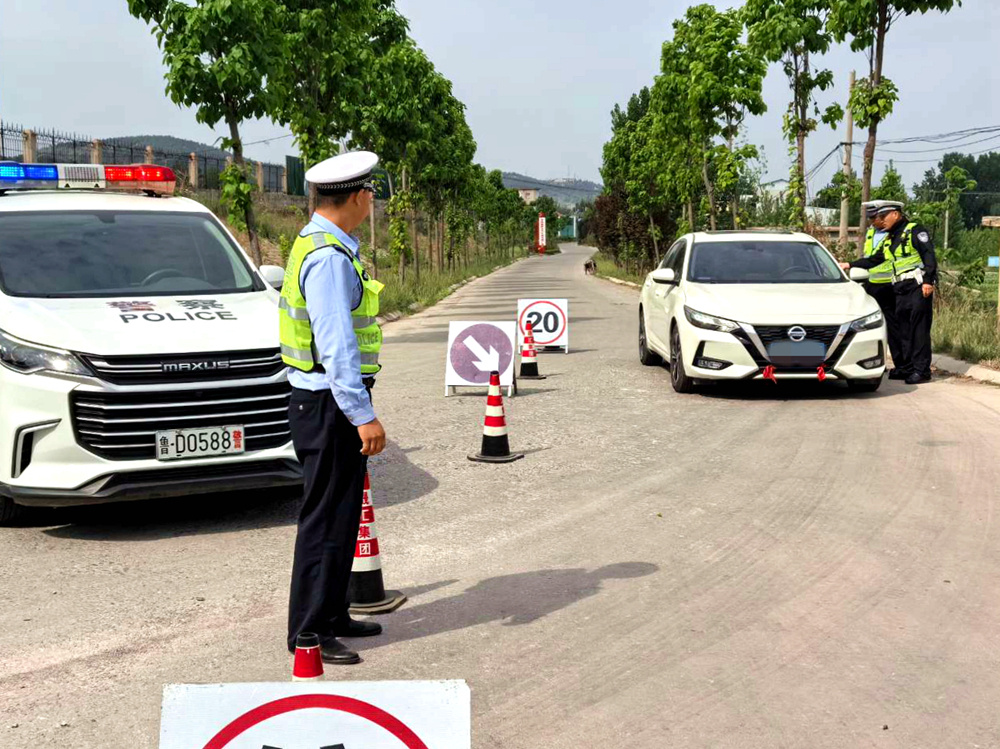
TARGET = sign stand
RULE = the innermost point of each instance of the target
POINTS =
(475, 349)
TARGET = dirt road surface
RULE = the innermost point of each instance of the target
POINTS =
(764, 566)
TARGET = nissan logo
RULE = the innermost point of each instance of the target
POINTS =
(195, 366)
(797, 333)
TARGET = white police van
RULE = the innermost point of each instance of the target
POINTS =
(138, 344)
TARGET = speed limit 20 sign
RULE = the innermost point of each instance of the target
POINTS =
(549, 320)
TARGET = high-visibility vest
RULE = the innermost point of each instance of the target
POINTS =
(298, 347)
(880, 273)
(905, 257)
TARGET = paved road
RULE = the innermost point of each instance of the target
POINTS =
(753, 567)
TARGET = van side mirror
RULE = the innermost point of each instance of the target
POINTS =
(274, 275)
(858, 274)
(664, 275)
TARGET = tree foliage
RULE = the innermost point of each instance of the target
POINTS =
(219, 55)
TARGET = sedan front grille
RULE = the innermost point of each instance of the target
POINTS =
(168, 368)
(771, 333)
(123, 426)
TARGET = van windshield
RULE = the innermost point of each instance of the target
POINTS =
(78, 254)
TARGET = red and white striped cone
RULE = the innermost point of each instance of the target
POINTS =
(308, 665)
(366, 592)
(529, 357)
(496, 447)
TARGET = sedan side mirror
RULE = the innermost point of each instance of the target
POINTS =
(664, 275)
(858, 274)
(274, 275)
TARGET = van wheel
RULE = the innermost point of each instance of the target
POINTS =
(646, 357)
(678, 377)
(10, 511)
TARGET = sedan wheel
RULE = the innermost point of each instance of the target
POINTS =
(646, 357)
(678, 377)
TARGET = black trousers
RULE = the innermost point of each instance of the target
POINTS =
(884, 294)
(915, 314)
(329, 449)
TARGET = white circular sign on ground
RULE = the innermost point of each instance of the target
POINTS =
(549, 320)
(317, 715)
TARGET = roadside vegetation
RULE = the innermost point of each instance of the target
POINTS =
(678, 159)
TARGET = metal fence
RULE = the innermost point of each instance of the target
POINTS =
(64, 148)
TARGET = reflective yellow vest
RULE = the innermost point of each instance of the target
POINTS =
(298, 349)
(905, 257)
(880, 273)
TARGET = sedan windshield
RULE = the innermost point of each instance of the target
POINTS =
(753, 261)
(109, 253)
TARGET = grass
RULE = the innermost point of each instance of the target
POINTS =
(965, 324)
(607, 268)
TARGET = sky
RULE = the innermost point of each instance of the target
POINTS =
(538, 79)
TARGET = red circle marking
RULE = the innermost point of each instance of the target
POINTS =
(520, 322)
(327, 701)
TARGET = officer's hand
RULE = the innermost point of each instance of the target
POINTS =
(844, 266)
(372, 438)
(928, 289)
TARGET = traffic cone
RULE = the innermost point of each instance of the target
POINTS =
(308, 660)
(529, 357)
(366, 591)
(496, 447)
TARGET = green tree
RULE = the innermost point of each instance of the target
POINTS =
(717, 81)
(891, 187)
(794, 32)
(867, 24)
(219, 56)
(318, 84)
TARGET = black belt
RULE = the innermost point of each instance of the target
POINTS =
(368, 382)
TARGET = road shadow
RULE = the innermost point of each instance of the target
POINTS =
(513, 600)
(395, 480)
(798, 390)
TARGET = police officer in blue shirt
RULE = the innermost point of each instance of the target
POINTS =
(330, 339)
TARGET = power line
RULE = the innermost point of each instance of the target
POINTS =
(942, 148)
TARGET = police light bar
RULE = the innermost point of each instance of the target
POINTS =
(147, 178)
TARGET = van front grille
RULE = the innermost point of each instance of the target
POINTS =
(123, 426)
(167, 368)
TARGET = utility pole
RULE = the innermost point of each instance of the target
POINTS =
(947, 217)
(845, 202)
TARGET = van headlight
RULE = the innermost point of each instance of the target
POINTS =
(709, 322)
(27, 358)
(872, 321)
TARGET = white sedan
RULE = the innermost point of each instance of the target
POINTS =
(754, 305)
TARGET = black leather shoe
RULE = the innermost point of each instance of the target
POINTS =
(335, 652)
(916, 379)
(356, 628)
(897, 374)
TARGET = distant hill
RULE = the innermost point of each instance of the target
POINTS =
(565, 191)
(170, 144)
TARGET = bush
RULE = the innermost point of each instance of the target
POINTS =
(965, 323)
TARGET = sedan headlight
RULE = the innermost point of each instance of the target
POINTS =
(27, 358)
(710, 322)
(872, 321)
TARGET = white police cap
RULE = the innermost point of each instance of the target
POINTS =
(881, 207)
(345, 173)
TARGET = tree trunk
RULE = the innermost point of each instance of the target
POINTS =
(652, 233)
(690, 213)
(249, 217)
(709, 190)
(876, 80)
